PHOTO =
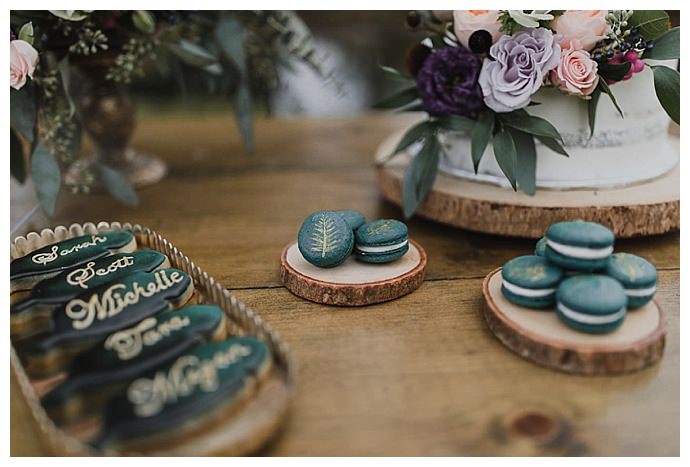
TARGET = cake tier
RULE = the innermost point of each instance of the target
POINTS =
(622, 151)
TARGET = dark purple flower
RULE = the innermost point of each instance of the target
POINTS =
(447, 83)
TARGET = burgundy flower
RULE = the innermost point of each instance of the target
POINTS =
(447, 83)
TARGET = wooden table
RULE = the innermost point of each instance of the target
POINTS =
(421, 375)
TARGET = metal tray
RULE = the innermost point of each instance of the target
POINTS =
(242, 433)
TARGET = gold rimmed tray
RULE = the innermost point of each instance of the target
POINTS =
(242, 433)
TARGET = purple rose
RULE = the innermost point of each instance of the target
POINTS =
(521, 63)
(447, 83)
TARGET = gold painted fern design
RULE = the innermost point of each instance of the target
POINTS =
(324, 238)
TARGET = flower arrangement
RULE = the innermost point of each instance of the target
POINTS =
(477, 71)
(238, 53)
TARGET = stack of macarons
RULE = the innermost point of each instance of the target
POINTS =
(327, 238)
(575, 269)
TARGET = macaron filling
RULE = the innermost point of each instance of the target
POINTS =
(585, 318)
(580, 252)
(524, 292)
(640, 292)
(380, 249)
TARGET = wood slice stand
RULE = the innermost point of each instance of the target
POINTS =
(353, 283)
(539, 336)
(646, 209)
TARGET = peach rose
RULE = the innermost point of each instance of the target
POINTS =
(576, 73)
(23, 60)
(586, 26)
(465, 22)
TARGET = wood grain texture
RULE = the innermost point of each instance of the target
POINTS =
(330, 293)
(422, 375)
(579, 356)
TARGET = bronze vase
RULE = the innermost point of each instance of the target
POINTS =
(108, 117)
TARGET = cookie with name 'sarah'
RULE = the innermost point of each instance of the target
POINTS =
(637, 276)
(95, 376)
(381, 241)
(32, 314)
(52, 259)
(185, 398)
(92, 316)
(579, 245)
(591, 303)
(325, 239)
(530, 281)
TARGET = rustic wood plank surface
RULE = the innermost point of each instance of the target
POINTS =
(420, 375)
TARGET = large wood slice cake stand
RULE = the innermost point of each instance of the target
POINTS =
(539, 336)
(353, 283)
(646, 209)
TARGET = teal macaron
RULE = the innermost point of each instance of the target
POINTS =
(325, 239)
(540, 247)
(354, 219)
(530, 281)
(579, 245)
(637, 276)
(381, 241)
(591, 303)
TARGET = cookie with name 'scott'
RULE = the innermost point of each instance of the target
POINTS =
(94, 315)
(32, 314)
(183, 398)
(52, 259)
(96, 375)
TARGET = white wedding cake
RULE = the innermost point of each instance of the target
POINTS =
(622, 151)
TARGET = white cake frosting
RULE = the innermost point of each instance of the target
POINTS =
(621, 152)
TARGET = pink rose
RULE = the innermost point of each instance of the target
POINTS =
(465, 22)
(586, 26)
(576, 73)
(23, 60)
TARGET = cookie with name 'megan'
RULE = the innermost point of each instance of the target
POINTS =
(579, 245)
(52, 259)
(92, 316)
(187, 397)
(100, 373)
(32, 314)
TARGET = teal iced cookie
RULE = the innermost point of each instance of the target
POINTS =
(381, 241)
(579, 245)
(354, 219)
(591, 303)
(637, 276)
(530, 281)
(540, 247)
(325, 239)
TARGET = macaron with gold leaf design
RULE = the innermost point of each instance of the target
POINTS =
(531, 281)
(381, 241)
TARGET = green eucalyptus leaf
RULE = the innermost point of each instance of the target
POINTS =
(399, 99)
(613, 71)
(421, 130)
(506, 155)
(651, 23)
(531, 124)
(480, 136)
(17, 162)
(192, 54)
(397, 75)
(457, 123)
(45, 173)
(420, 175)
(526, 166)
(26, 33)
(592, 109)
(667, 87)
(117, 185)
(244, 114)
(607, 90)
(553, 144)
(144, 21)
(23, 111)
(63, 69)
(666, 46)
(230, 37)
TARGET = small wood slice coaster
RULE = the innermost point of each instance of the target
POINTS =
(353, 283)
(539, 336)
(648, 208)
